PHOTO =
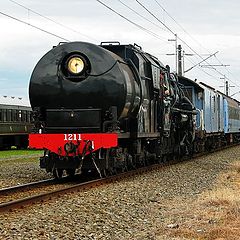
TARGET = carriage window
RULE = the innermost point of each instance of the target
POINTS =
(4, 114)
(29, 116)
(1, 115)
(14, 115)
(9, 115)
(24, 116)
(214, 104)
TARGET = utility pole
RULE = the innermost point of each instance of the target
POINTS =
(180, 72)
(226, 85)
(227, 88)
(176, 49)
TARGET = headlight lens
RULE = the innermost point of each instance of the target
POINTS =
(75, 65)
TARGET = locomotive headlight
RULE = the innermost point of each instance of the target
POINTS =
(75, 65)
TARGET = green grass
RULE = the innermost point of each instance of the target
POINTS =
(19, 153)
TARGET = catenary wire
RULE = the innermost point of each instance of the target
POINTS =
(135, 24)
(33, 26)
(177, 37)
(140, 15)
(52, 20)
(192, 62)
(148, 30)
(195, 40)
(170, 31)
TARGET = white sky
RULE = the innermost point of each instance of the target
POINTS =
(212, 26)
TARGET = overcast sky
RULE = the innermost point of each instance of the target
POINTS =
(205, 26)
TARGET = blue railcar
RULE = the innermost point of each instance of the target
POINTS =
(194, 92)
(213, 110)
(218, 116)
(209, 104)
(232, 115)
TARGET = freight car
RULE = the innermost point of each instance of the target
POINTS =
(110, 108)
(15, 122)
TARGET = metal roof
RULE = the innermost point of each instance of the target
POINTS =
(14, 101)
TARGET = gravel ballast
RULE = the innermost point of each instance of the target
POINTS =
(154, 205)
(19, 170)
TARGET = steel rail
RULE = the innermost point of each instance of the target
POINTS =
(46, 182)
(20, 203)
(22, 187)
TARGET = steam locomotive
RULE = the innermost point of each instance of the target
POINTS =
(110, 108)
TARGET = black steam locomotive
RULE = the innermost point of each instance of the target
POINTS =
(107, 108)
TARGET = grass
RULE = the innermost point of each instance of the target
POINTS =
(215, 214)
(9, 157)
(236, 167)
(13, 157)
(18, 153)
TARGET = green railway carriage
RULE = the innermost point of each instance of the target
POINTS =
(15, 122)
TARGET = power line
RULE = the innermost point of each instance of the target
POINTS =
(140, 15)
(178, 23)
(174, 34)
(135, 24)
(169, 29)
(148, 31)
(229, 73)
(33, 26)
(201, 62)
(52, 20)
(194, 39)
(192, 62)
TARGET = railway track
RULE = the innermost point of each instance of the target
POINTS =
(22, 187)
(18, 195)
(54, 189)
(33, 198)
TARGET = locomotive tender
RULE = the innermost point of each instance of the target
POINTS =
(110, 108)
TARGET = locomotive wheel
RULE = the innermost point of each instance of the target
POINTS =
(105, 173)
(120, 170)
(164, 158)
(57, 173)
(160, 159)
(70, 172)
(112, 171)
